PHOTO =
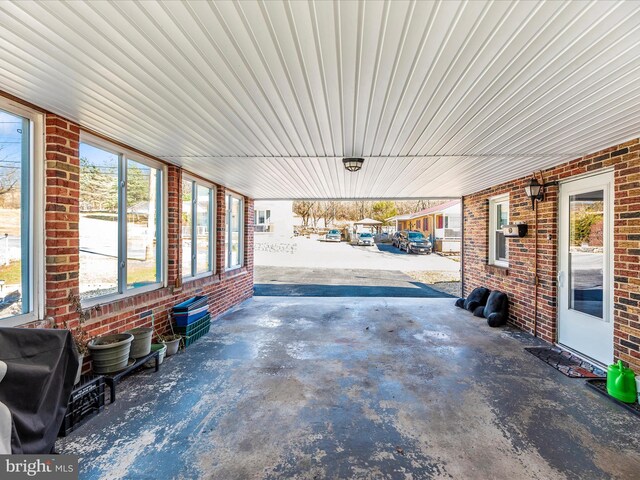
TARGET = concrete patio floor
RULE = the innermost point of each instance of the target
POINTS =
(356, 388)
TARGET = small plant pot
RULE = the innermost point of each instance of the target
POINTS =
(162, 348)
(79, 372)
(110, 353)
(141, 344)
(172, 346)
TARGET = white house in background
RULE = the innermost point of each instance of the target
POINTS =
(274, 217)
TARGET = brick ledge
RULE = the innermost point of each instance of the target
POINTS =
(496, 269)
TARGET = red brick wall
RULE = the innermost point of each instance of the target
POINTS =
(174, 226)
(62, 184)
(518, 281)
(62, 169)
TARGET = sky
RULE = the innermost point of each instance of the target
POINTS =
(105, 160)
(10, 140)
(10, 148)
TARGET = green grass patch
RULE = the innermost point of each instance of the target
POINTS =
(141, 274)
(12, 273)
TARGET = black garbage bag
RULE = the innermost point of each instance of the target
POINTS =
(41, 369)
(477, 298)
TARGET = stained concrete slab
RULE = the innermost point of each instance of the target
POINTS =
(319, 388)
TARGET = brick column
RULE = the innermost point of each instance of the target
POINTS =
(220, 230)
(627, 253)
(174, 226)
(62, 214)
(248, 233)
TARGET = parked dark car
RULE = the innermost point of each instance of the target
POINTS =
(412, 241)
(395, 239)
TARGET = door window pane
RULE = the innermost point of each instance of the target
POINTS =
(203, 229)
(142, 207)
(98, 222)
(586, 252)
(187, 227)
(14, 215)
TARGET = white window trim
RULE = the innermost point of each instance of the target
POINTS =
(493, 202)
(128, 154)
(227, 232)
(267, 218)
(212, 232)
(36, 213)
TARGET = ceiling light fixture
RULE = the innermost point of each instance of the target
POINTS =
(353, 164)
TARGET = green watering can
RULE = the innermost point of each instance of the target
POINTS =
(621, 383)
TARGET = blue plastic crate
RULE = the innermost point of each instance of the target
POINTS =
(184, 319)
(202, 331)
(190, 311)
(192, 304)
(193, 327)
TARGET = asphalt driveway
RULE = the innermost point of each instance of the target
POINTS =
(346, 282)
(309, 267)
(314, 253)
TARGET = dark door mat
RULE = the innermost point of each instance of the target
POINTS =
(600, 386)
(566, 363)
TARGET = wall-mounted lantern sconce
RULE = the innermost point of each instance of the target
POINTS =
(353, 164)
(535, 191)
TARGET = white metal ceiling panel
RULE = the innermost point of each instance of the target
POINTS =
(266, 97)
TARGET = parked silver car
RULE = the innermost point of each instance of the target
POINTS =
(365, 238)
(333, 236)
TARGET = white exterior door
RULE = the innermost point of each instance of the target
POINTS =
(585, 274)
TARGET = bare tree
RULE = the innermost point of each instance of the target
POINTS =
(8, 180)
(328, 210)
(303, 209)
(9, 176)
(315, 213)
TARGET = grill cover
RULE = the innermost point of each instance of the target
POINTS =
(41, 370)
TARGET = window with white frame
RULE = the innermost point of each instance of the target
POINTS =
(262, 217)
(234, 231)
(498, 218)
(197, 228)
(20, 214)
(121, 221)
